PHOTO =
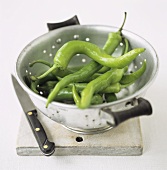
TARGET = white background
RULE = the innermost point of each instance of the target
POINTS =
(22, 21)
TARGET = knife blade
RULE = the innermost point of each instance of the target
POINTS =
(46, 147)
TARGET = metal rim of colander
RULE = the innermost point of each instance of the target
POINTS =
(128, 98)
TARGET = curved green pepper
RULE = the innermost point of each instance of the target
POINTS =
(97, 85)
(127, 79)
(71, 48)
(114, 39)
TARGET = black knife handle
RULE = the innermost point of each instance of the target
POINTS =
(72, 21)
(45, 145)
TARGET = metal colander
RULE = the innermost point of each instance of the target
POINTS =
(94, 119)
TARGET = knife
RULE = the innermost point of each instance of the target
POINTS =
(46, 147)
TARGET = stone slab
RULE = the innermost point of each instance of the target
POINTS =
(124, 140)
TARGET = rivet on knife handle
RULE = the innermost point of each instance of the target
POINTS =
(45, 145)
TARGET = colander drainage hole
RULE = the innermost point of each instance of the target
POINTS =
(79, 139)
(130, 103)
(127, 104)
(87, 39)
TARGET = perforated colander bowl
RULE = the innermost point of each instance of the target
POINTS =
(94, 119)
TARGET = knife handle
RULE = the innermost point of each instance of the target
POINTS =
(45, 145)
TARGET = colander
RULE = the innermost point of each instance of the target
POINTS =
(97, 118)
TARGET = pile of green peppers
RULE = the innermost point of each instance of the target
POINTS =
(97, 82)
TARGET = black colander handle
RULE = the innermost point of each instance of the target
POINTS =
(72, 21)
(143, 108)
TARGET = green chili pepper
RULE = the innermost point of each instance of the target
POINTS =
(127, 79)
(33, 86)
(113, 88)
(68, 50)
(27, 80)
(78, 76)
(48, 85)
(64, 94)
(110, 97)
(114, 39)
(97, 85)
(34, 83)
(46, 88)
(96, 99)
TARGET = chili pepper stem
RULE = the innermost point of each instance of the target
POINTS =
(53, 68)
(120, 29)
(41, 62)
